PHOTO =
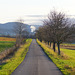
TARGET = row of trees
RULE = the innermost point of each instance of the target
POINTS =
(56, 29)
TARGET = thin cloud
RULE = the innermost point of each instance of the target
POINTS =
(33, 20)
(71, 15)
(35, 15)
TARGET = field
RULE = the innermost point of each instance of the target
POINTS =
(6, 43)
(7, 39)
(8, 67)
(65, 62)
(68, 46)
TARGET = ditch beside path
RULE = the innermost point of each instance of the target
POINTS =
(36, 63)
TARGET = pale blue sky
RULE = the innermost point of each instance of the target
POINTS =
(11, 10)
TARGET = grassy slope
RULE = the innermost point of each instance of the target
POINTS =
(6, 43)
(70, 53)
(12, 64)
(65, 63)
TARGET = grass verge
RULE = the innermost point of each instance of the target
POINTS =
(65, 63)
(11, 64)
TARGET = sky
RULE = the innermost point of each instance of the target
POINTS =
(33, 11)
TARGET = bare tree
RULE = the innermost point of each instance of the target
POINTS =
(20, 30)
(56, 29)
(60, 28)
(39, 34)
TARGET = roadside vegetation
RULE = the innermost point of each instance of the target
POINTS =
(11, 64)
(7, 46)
(6, 43)
(13, 50)
(65, 62)
(56, 29)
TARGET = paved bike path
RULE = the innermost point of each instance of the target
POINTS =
(36, 63)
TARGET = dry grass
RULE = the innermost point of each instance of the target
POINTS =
(7, 39)
(7, 52)
(6, 46)
(12, 63)
(68, 46)
(65, 62)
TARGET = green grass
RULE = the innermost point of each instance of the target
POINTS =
(65, 63)
(11, 64)
(70, 53)
(5, 45)
(68, 44)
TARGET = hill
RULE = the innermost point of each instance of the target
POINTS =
(7, 28)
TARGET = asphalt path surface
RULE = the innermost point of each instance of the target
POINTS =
(36, 63)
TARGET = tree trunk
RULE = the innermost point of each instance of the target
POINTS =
(40, 40)
(50, 44)
(58, 44)
(54, 46)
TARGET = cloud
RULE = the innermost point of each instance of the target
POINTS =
(71, 15)
(35, 15)
(32, 28)
(33, 20)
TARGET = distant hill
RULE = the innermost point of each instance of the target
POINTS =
(72, 20)
(7, 28)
